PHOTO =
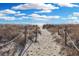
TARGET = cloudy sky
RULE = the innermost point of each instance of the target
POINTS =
(42, 13)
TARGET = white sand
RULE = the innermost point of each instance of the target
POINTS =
(46, 45)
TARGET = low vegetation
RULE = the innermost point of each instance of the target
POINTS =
(13, 38)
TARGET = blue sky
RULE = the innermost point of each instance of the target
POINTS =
(42, 13)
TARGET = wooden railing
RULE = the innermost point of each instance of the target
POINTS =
(67, 37)
(72, 42)
(26, 47)
(19, 35)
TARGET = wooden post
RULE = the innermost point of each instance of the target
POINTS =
(65, 30)
(58, 30)
(25, 40)
(36, 34)
(25, 33)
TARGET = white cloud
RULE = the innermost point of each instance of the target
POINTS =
(68, 5)
(71, 20)
(43, 17)
(7, 11)
(41, 6)
(74, 21)
(23, 18)
(70, 17)
(4, 16)
(20, 14)
(73, 17)
(76, 14)
(48, 11)
(7, 18)
(1, 14)
(38, 23)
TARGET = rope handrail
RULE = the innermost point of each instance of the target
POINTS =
(12, 40)
(72, 42)
(25, 49)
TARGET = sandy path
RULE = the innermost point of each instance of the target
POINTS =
(46, 46)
